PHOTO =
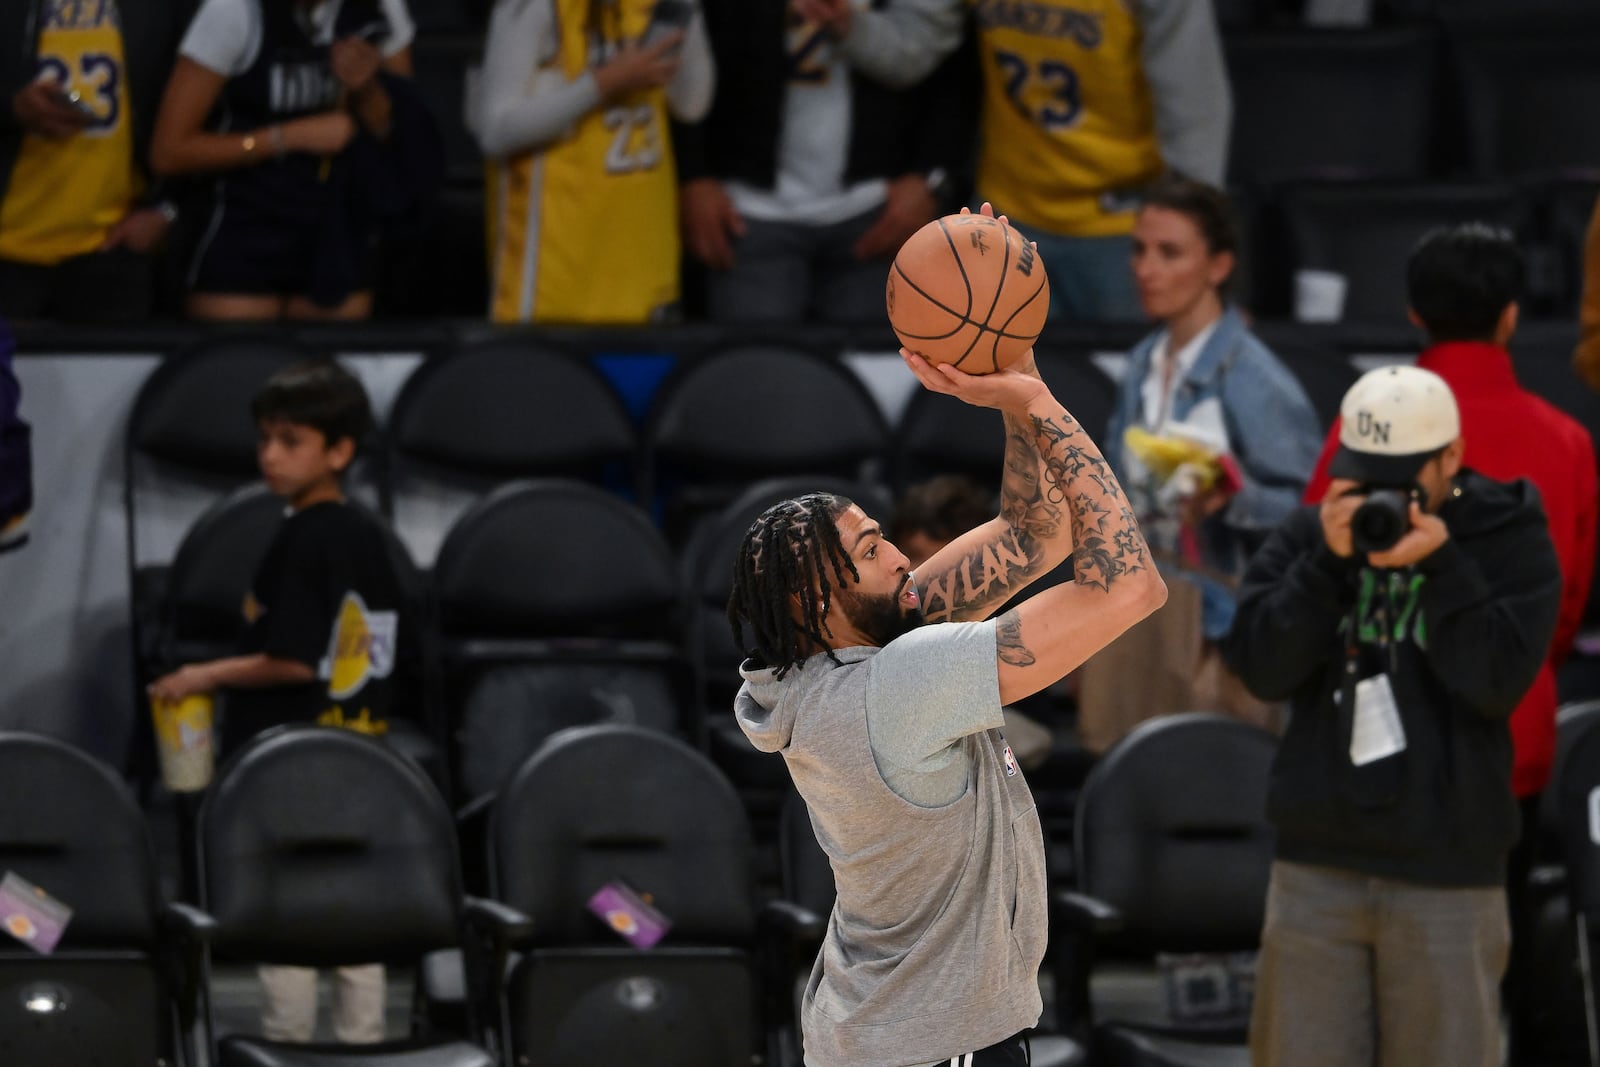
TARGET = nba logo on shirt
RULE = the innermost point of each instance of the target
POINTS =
(1011, 763)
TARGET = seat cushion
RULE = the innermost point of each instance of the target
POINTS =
(239, 1051)
(1118, 1047)
(1053, 1050)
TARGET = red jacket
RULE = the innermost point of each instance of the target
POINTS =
(1511, 433)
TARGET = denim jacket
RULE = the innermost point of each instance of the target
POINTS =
(1273, 433)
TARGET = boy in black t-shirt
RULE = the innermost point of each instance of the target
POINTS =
(323, 622)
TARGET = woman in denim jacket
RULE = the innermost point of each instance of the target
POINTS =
(1203, 376)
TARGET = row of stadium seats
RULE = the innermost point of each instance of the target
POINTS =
(510, 965)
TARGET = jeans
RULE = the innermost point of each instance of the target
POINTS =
(790, 272)
(1357, 970)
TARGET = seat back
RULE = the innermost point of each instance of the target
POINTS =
(1573, 720)
(617, 804)
(1172, 830)
(1385, 82)
(1525, 94)
(740, 415)
(321, 847)
(1578, 791)
(555, 558)
(190, 438)
(69, 826)
(555, 603)
(602, 803)
(1366, 232)
(493, 412)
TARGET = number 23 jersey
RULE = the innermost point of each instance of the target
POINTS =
(1068, 124)
(586, 228)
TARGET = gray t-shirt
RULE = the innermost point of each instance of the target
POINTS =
(927, 691)
(936, 936)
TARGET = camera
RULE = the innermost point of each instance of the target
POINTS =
(1381, 520)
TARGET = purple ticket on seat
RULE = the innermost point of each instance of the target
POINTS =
(31, 915)
(629, 914)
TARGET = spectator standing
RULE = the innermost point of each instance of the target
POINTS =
(80, 217)
(321, 137)
(1463, 286)
(1202, 376)
(1083, 106)
(573, 115)
(322, 640)
(814, 166)
(1386, 931)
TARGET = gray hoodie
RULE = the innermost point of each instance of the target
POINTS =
(935, 940)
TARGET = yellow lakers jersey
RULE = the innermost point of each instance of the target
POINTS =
(586, 230)
(65, 196)
(1068, 125)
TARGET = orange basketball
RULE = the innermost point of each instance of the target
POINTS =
(968, 290)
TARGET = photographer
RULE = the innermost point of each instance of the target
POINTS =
(1463, 284)
(1404, 627)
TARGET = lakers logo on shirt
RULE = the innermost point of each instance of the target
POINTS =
(362, 647)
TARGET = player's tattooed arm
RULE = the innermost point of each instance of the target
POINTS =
(1106, 540)
(1015, 552)
(1008, 637)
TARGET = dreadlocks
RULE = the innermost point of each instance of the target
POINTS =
(789, 551)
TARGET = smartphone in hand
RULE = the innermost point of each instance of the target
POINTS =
(666, 17)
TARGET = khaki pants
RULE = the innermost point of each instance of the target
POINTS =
(1358, 971)
(290, 1011)
(1161, 666)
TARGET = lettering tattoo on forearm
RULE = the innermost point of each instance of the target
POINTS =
(1106, 541)
(986, 576)
(1008, 636)
(1053, 472)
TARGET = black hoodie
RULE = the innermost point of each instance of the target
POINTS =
(1461, 636)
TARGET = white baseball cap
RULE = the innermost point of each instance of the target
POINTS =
(1392, 421)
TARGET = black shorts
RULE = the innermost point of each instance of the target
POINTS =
(242, 252)
(1012, 1052)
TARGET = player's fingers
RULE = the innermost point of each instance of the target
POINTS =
(925, 372)
(986, 208)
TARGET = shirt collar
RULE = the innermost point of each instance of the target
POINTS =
(1471, 365)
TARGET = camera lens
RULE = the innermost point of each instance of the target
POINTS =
(1380, 521)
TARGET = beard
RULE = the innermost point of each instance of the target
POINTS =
(880, 616)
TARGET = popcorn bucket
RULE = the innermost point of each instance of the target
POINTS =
(184, 741)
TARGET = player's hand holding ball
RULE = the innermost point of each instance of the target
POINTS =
(970, 291)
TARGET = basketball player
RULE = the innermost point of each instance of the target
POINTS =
(572, 115)
(1085, 101)
(891, 730)
(79, 216)
(298, 81)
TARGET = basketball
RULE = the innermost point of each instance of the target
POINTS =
(967, 290)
